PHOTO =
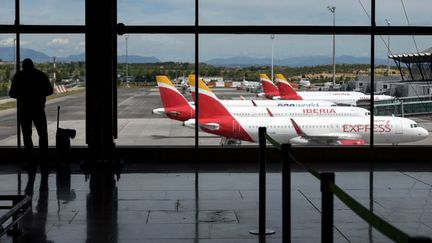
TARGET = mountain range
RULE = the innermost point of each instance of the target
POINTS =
(6, 54)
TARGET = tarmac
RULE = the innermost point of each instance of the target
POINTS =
(137, 126)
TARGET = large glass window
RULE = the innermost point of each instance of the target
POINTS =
(61, 57)
(301, 89)
(230, 61)
(403, 70)
(7, 70)
(56, 12)
(7, 12)
(396, 13)
(155, 12)
(156, 107)
(277, 12)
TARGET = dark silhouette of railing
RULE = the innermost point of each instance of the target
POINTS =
(21, 205)
(328, 190)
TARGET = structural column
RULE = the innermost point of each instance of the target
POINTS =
(101, 55)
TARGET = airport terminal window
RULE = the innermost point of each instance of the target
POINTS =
(7, 70)
(406, 77)
(392, 13)
(57, 12)
(156, 12)
(147, 114)
(213, 45)
(307, 12)
(61, 57)
(7, 12)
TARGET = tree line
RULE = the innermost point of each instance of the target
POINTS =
(146, 72)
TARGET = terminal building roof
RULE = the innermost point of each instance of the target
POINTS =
(418, 57)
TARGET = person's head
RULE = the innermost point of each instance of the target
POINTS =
(27, 64)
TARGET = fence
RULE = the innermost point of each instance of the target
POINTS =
(404, 106)
(329, 189)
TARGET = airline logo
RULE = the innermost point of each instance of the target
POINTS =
(377, 128)
(213, 115)
(269, 88)
(319, 111)
(265, 78)
(175, 105)
(203, 88)
(298, 104)
(280, 78)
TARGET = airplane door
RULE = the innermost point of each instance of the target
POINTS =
(399, 127)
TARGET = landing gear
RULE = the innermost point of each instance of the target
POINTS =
(229, 141)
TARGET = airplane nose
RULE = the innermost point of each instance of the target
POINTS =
(424, 133)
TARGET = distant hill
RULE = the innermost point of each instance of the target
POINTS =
(6, 54)
(292, 61)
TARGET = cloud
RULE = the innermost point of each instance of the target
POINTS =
(7, 42)
(10, 42)
(59, 42)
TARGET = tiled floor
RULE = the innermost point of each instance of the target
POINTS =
(157, 207)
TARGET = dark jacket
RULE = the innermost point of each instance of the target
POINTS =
(30, 88)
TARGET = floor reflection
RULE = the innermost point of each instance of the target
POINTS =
(34, 223)
(102, 207)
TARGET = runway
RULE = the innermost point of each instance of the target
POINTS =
(137, 126)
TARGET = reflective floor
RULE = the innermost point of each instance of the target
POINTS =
(218, 207)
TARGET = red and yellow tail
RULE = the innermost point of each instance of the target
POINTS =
(287, 92)
(175, 104)
(269, 88)
(214, 117)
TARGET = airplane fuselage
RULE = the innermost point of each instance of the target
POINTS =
(386, 129)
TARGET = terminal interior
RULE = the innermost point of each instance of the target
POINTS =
(111, 191)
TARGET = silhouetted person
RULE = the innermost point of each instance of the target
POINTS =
(30, 87)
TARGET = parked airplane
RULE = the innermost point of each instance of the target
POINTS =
(270, 90)
(265, 103)
(216, 119)
(339, 97)
(175, 105)
(178, 108)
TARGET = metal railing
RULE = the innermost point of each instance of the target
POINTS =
(21, 205)
(329, 189)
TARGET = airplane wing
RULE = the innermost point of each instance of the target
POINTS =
(325, 138)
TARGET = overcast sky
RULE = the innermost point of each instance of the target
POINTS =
(226, 12)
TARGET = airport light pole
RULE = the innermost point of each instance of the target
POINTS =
(54, 70)
(388, 49)
(332, 9)
(14, 54)
(127, 71)
(272, 36)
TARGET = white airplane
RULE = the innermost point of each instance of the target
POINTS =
(266, 103)
(178, 108)
(214, 118)
(339, 97)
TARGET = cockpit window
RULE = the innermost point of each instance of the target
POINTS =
(414, 125)
(367, 113)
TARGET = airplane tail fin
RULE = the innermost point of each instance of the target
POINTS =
(209, 104)
(214, 117)
(269, 88)
(285, 88)
(170, 96)
(175, 104)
